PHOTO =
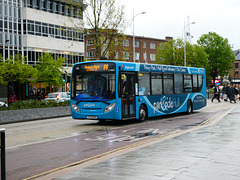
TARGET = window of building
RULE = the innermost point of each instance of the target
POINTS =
(152, 46)
(1, 9)
(145, 56)
(236, 74)
(30, 27)
(125, 55)
(144, 44)
(10, 11)
(236, 65)
(43, 5)
(90, 42)
(156, 84)
(116, 41)
(152, 57)
(49, 2)
(90, 54)
(137, 56)
(144, 83)
(168, 83)
(125, 42)
(38, 29)
(136, 43)
(1, 37)
(45, 29)
(6, 10)
(1, 25)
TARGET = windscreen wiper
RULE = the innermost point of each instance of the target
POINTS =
(92, 101)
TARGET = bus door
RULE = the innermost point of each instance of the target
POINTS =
(128, 94)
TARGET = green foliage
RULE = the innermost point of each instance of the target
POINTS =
(219, 53)
(50, 70)
(106, 22)
(29, 104)
(15, 70)
(172, 53)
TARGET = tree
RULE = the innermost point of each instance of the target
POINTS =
(50, 70)
(220, 55)
(15, 70)
(172, 53)
(105, 22)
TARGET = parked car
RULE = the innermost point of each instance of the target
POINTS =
(58, 96)
(3, 104)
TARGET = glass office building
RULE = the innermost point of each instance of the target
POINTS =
(32, 27)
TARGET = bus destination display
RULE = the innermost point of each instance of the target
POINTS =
(96, 67)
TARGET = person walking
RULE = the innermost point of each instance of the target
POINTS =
(223, 90)
(235, 91)
(230, 93)
(216, 93)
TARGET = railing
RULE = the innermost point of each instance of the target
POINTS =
(3, 154)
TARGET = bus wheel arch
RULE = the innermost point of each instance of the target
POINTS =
(143, 113)
(189, 107)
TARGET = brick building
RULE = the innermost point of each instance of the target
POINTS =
(145, 49)
(235, 72)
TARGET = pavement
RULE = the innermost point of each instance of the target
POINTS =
(205, 153)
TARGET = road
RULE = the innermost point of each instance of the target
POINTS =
(41, 146)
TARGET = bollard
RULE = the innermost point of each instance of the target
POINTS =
(3, 157)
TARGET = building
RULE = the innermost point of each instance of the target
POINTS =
(32, 27)
(235, 72)
(145, 49)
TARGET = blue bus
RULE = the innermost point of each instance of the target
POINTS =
(116, 90)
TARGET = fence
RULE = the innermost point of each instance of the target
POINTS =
(3, 154)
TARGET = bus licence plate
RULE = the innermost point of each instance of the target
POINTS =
(91, 117)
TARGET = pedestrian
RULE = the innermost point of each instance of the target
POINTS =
(238, 88)
(230, 93)
(39, 94)
(223, 90)
(216, 93)
(235, 90)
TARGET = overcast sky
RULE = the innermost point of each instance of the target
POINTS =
(166, 18)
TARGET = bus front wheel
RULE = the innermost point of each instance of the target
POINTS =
(189, 107)
(142, 114)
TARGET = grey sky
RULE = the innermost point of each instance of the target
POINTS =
(166, 18)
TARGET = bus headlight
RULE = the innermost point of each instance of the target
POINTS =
(110, 107)
(75, 107)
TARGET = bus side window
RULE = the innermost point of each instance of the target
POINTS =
(187, 83)
(178, 83)
(200, 82)
(195, 82)
(168, 83)
(156, 84)
(144, 83)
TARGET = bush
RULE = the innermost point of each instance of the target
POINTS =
(29, 104)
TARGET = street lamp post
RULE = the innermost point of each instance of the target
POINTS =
(134, 34)
(185, 62)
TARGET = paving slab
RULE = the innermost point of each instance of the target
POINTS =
(211, 152)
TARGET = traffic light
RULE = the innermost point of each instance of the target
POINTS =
(64, 77)
(214, 72)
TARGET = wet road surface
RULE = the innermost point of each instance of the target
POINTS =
(33, 159)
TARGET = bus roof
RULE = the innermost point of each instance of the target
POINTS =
(143, 67)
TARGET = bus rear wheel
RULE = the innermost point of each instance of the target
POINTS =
(142, 114)
(189, 107)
